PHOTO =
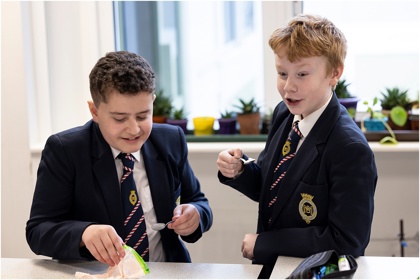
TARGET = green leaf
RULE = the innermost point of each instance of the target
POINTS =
(388, 140)
(399, 115)
(352, 112)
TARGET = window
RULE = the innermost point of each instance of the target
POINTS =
(205, 54)
(383, 44)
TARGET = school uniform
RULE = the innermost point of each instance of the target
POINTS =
(326, 199)
(78, 185)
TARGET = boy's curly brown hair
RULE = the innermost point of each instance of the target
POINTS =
(123, 71)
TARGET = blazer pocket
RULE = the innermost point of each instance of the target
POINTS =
(312, 203)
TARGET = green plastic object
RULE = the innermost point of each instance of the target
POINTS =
(138, 258)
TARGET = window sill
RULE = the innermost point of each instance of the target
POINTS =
(408, 142)
(401, 135)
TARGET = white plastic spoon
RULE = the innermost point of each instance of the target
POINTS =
(247, 161)
(160, 226)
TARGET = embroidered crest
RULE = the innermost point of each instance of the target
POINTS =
(286, 148)
(132, 197)
(307, 208)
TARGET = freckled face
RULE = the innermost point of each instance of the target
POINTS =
(126, 120)
(304, 84)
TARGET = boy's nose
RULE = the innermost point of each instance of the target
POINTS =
(132, 127)
(289, 85)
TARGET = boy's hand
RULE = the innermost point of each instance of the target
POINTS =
(248, 245)
(103, 243)
(229, 163)
(186, 219)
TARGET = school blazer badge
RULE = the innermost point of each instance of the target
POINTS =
(307, 208)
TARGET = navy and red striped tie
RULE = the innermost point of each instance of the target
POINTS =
(135, 234)
(287, 154)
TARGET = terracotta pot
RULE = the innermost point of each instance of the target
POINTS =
(414, 120)
(159, 119)
(393, 126)
(249, 123)
(227, 126)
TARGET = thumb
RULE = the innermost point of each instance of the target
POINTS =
(178, 211)
(237, 153)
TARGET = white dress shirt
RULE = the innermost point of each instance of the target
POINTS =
(156, 252)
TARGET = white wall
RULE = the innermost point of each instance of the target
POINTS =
(47, 51)
(16, 183)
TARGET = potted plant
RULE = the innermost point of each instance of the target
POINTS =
(413, 115)
(391, 98)
(345, 98)
(378, 121)
(227, 122)
(248, 117)
(162, 107)
(398, 116)
(178, 117)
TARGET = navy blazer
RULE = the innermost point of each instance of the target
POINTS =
(77, 185)
(325, 201)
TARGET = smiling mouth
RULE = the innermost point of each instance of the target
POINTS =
(131, 139)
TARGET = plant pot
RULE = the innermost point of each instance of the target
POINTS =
(373, 124)
(266, 123)
(159, 119)
(227, 126)
(413, 117)
(350, 104)
(249, 123)
(203, 125)
(406, 126)
(181, 123)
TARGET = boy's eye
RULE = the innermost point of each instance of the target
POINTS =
(141, 118)
(119, 120)
(282, 74)
(302, 74)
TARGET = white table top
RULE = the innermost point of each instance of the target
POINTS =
(368, 267)
(14, 268)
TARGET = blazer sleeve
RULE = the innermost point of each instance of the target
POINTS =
(50, 230)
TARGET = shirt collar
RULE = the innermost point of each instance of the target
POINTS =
(306, 124)
(116, 152)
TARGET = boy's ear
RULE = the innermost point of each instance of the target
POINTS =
(336, 75)
(93, 111)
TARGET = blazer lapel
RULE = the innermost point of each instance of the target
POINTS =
(158, 182)
(103, 165)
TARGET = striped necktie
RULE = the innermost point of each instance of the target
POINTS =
(135, 234)
(287, 154)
